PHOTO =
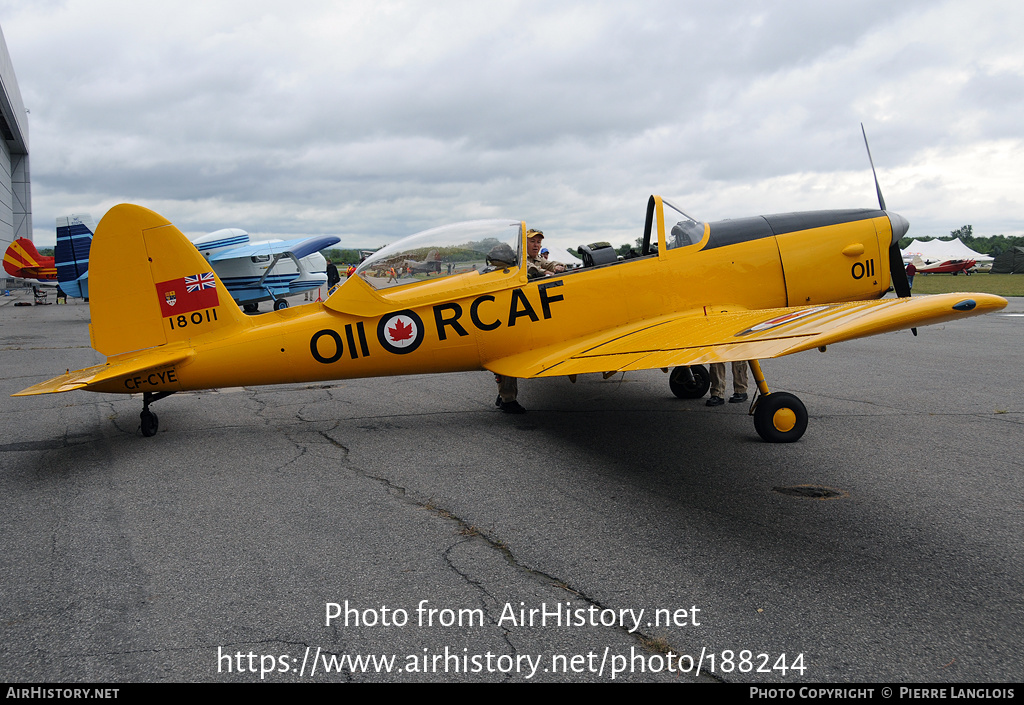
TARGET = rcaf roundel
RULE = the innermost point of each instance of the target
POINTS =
(779, 320)
(400, 332)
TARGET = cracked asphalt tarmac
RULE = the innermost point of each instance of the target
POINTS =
(252, 511)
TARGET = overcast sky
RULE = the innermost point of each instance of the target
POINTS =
(374, 120)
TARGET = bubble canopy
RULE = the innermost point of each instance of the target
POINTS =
(460, 248)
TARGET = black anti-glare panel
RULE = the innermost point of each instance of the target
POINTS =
(732, 232)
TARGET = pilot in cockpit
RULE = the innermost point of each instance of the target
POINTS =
(537, 266)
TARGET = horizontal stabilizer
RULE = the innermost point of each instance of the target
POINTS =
(148, 362)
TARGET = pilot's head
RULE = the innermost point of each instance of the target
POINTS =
(534, 238)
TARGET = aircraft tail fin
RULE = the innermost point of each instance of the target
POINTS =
(23, 260)
(150, 286)
(74, 240)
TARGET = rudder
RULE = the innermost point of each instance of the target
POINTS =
(150, 286)
(71, 253)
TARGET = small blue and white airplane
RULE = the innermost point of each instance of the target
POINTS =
(269, 270)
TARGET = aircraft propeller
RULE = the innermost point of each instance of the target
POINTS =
(899, 228)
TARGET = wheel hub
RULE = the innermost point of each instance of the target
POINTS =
(784, 420)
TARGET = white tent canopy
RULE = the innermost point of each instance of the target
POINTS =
(556, 254)
(941, 250)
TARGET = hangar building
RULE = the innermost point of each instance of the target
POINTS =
(15, 189)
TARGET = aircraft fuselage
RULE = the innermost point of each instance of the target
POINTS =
(461, 322)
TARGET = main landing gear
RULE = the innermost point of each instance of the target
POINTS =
(779, 417)
(150, 422)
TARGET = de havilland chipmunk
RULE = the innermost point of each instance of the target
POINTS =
(695, 293)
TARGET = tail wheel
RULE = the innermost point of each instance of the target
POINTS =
(691, 382)
(780, 417)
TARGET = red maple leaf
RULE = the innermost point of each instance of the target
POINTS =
(400, 331)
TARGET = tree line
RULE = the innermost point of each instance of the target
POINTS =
(992, 245)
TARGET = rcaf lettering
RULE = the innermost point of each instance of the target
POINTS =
(453, 321)
(152, 379)
(545, 300)
(447, 315)
(328, 345)
(474, 313)
(514, 311)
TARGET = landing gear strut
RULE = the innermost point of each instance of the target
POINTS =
(779, 417)
(150, 422)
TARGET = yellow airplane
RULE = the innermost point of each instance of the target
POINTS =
(695, 293)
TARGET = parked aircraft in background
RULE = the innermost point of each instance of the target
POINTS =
(74, 239)
(23, 261)
(266, 270)
(950, 266)
(431, 264)
(252, 271)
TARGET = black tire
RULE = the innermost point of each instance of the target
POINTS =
(780, 417)
(150, 423)
(693, 386)
(280, 304)
(251, 308)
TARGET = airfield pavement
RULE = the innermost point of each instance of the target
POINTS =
(232, 531)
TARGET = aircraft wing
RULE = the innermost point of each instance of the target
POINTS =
(299, 248)
(705, 336)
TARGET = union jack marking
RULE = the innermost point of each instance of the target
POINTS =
(198, 282)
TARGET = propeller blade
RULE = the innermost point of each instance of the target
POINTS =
(878, 189)
(897, 273)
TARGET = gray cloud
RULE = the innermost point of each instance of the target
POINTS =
(372, 120)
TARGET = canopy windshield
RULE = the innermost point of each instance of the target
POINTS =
(476, 246)
(680, 229)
